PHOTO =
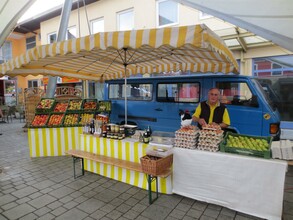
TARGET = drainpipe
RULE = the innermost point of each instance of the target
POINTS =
(61, 35)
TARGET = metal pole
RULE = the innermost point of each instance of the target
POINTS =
(61, 35)
(125, 90)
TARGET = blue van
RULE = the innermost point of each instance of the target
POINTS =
(156, 102)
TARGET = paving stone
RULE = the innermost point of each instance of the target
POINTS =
(216, 207)
(75, 194)
(43, 184)
(204, 217)
(211, 213)
(224, 217)
(61, 192)
(107, 208)
(24, 192)
(70, 205)
(131, 201)
(125, 196)
(23, 200)
(178, 214)
(47, 216)
(228, 212)
(194, 213)
(115, 214)
(200, 205)
(58, 211)
(98, 214)
(9, 205)
(107, 195)
(116, 202)
(66, 199)
(8, 191)
(91, 205)
(120, 187)
(2, 217)
(139, 207)
(80, 199)
(123, 208)
(46, 190)
(188, 201)
(6, 199)
(54, 205)
(131, 214)
(42, 201)
(156, 212)
(7, 187)
(29, 217)
(183, 207)
(42, 211)
(171, 218)
(78, 184)
(169, 201)
(35, 195)
(72, 214)
(18, 211)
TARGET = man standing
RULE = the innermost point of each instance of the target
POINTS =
(212, 111)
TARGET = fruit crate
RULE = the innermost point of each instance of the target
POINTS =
(246, 147)
(71, 119)
(104, 106)
(89, 104)
(86, 117)
(56, 120)
(45, 105)
(39, 121)
(60, 106)
(74, 105)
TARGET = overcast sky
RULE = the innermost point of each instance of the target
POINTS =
(39, 7)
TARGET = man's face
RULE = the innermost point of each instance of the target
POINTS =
(213, 96)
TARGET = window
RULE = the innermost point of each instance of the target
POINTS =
(125, 20)
(97, 25)
(52, 38)
(70, 34)
(134, 91)
(30, 42)
(167, 13)
(276, 69)
(234, 93)
(33, 83)
(6, 52)
(178, 92)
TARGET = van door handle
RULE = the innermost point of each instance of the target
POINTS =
(158, 109)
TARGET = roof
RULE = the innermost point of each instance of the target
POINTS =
(34, 23)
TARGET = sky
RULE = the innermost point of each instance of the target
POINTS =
(39, 7)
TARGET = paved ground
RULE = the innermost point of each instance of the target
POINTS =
(43, 188)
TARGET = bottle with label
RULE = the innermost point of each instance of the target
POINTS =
(92, 127)
(145, 137)
(149, 131)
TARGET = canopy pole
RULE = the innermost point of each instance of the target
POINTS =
(66, 9)
(125, 91)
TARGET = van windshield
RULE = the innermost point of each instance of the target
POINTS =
(266, 92)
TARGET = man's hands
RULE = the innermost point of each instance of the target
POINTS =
(202, 122)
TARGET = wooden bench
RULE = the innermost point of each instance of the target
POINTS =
(78, 155)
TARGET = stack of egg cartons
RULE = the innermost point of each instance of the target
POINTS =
(210, 137)
(186, 137)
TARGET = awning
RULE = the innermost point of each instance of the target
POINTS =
(109, 55)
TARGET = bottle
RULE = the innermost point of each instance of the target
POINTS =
(92, 127)
(149, 131)
(145, 137)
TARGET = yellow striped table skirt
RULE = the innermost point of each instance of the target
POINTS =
(121, 149)
(52, 141)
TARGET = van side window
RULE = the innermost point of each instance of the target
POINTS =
(234, 93)
(135, 91)
(178, 92)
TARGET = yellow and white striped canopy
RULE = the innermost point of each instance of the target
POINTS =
(107, 55)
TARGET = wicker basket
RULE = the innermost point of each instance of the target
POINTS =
(155, 165)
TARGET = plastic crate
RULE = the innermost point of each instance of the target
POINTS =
(89, 104)
(246, 151)
(86, 117)
(74, 105)
(42, 121)
(45, 105)
(104, 106)
(58, 123)
(71, 122)
(60, 106)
